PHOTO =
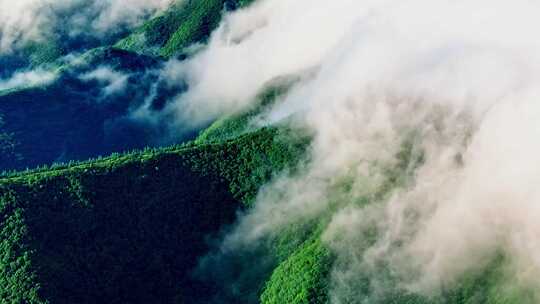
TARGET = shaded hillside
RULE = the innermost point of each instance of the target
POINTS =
(129, 228)
(132, 228)
(76, 118)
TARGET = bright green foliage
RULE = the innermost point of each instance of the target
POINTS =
(203, 18)
(156, 32)
(302, 274)
(184, 24)
(302, 278)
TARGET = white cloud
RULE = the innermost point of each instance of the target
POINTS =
(27, 79)
(460, 79)
(24, 21)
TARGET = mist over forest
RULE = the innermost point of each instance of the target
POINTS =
(269, 151)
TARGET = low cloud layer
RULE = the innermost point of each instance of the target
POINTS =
(427, 109)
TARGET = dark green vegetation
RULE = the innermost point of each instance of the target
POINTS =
(128, 228)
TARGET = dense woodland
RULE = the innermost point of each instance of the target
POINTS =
(128, 228)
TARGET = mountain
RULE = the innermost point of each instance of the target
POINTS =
(184, 24)
(69, 118)
(129, 228)
(105, 199)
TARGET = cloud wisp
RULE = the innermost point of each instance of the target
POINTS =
(32, 78)
(114, 82)
(25, 22)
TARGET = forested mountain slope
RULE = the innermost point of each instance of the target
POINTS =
(87, 108)
(300, 189)
(129, 228)
(186, 23)
(132, 228)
